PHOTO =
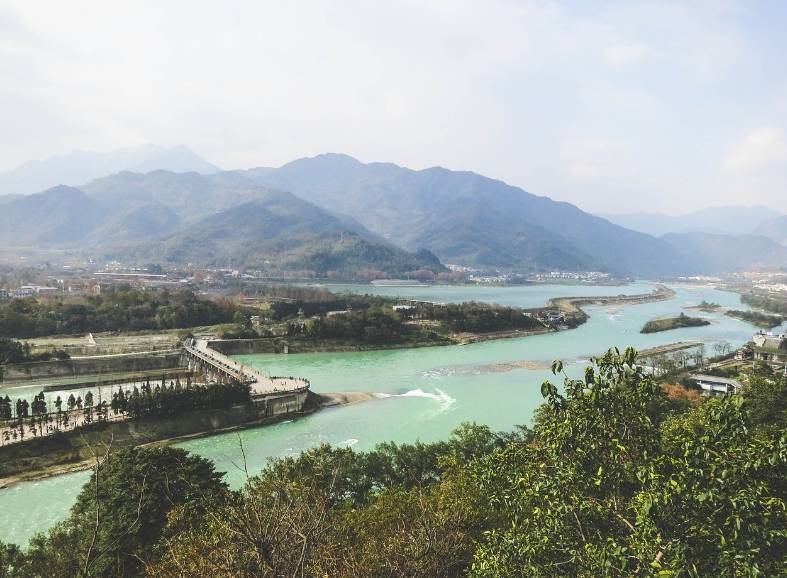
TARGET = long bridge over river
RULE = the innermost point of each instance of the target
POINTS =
(219, 367)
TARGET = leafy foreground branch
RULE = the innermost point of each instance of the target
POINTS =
(614, 479)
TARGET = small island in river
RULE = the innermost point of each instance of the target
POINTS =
(667, 323)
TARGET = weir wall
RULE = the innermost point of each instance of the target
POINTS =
(90, 366)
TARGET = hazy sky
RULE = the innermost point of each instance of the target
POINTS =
(616, 107)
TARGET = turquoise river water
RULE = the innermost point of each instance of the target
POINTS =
(427, 391)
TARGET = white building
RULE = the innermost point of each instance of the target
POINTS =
(712, 384)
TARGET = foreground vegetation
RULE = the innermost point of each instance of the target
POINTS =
(667, 323)
(614, 479)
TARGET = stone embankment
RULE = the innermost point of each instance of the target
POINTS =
(573, 305)
(669, 348)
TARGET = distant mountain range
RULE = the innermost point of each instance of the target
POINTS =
(730, 220)
(711, 253)
(80, 167)
(466, 218)
(222, 220)
(334, 213)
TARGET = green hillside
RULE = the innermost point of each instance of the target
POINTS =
(468, 218)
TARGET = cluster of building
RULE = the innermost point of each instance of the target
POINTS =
(581, 276)
(700, 279)
(73, 283)
(765, 347)
(550, 317)
(772, 287)
(84, 286)
(28, 291)
(489, 279)
(771, 282)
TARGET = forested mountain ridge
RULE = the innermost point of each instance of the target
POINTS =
(281, 233)
(471, 219)
(219, 219)
(60, 216)
(296, 216)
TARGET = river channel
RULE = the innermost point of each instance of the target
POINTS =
(426, 392)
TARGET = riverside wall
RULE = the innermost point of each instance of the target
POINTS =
(299, 345)
(90, 366)
(74, 449)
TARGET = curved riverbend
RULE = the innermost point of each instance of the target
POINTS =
(425, 392)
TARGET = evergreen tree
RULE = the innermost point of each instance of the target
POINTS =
(5, 408)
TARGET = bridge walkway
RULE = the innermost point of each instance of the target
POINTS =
(260, 384)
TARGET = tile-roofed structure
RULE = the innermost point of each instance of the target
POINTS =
(769, 347)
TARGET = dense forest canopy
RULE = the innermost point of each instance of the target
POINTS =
(120, 308)
(12, 351)
(757, 318)
(316, 313)
(615, 478)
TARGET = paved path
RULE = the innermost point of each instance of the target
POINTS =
(76, 418)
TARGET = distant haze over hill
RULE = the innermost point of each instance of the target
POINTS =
(79, 167)
(712, 253)
(732, 220)
(775, 229)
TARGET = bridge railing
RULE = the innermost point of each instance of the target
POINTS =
(235, 373)
(239, 372)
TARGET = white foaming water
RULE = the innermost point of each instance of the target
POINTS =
(347, 443)
(441, 397)
(438, 372)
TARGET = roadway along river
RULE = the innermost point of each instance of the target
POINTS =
(429, 391)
